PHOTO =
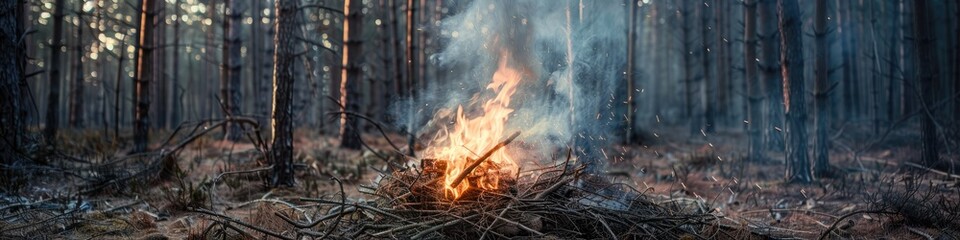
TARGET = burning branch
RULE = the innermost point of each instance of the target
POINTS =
(474, 165)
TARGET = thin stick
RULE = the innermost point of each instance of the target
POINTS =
(438, 227)
(343, 201)
(247, 225)
(834, 225)
(475, 164)
(932, 170)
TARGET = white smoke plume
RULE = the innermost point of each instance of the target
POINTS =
(572, 52)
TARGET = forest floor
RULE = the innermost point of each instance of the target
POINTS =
(879, 194)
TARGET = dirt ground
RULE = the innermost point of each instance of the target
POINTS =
(876, 193)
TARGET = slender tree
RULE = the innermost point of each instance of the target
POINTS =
(770, 72)
(351, 76)
(284, 57)
(266, 66)
(75, 117)
(398, 65)
(159, 85)
(12, 127)
(927, 69)
(53, 97)
(892, 61)
(791, 63)
(956, 63)
(411, 73)
(821, 95)
(176, 106)
(232, 63)
(631, 38)
(708, 88)
(117, 90)
(754, 84)
(256, 68)
(688, 78)
(721, 99)
(148, 20)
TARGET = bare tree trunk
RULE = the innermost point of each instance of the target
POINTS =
(398, 66)
(144, 71)
(411, 74)
(956, 62)
(12, 128)
(791, 63)
(770, 72)
(158, 84)
(754, 84)
(382, 88)
(927, 81)
(53, 97)
(230, 77)
(75, 117)
(176, 106)
(256, 52)
(721, 99)
(266, 66)
(893, 62)
(908, 99)
(102, 72)
(210, 109)
(708, 89)
(631, 38)
(853, 54)
(875, 73)
(821, 95)
(350, 73)
(117, 92)
(688, 77)
(284, 58)
(420, 17)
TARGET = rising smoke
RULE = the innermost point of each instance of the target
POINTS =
(572, 54)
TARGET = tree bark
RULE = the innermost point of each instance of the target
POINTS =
(53, 97)
(629, 135)
(721, 99)
(117, 90)
(688, 77)
(893, 62)
(232, 63)
(351, 76)
(821, 95)
(791, 64)
(257, 71)
(708, 88)
(75, 117)
(12, 128)
(176, 106)
(956, 62)
(266, 66)
(148, 20)
(411, 74)
(398, 65)
(770, 73)
(754, 84)
(927, 81)
(158, 84)
(284, 58)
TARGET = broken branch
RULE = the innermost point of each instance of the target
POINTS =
(475, 164)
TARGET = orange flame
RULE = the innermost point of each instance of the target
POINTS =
(470, 137)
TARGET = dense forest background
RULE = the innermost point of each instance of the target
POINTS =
(813, 87)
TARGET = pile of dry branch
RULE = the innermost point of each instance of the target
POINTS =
(559, 201)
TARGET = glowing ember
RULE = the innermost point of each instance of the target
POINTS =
(471, 137)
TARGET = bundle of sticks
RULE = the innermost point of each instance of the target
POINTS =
(560, 200)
